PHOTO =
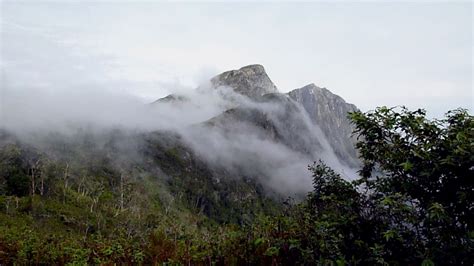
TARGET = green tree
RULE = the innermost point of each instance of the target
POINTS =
(14, 178)
(430, 165)
(334, 210)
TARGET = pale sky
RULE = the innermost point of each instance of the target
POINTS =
(371, 54)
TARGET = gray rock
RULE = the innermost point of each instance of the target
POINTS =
(329, 112)
(304, 119)
(251, 81)
(172, 98)
(284, 122)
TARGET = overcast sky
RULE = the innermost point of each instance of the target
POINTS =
(371, 54)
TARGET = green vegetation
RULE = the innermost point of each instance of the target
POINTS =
(412, 205)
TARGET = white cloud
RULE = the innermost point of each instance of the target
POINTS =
(368, 53)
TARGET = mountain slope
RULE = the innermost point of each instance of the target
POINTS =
(278, 117)
(310, 121)
(228, 167)
(287, 121)
(329, 112)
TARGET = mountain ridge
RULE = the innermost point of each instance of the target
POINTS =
(326, 111)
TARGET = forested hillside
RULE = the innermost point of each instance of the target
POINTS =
(135, 198)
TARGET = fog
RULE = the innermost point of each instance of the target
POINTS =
(241, 148)
(82, 69)
(56, 90)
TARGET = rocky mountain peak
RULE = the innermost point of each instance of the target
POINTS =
(286, 121)
(310, 86)
(314, 90)
(255, 68)
(251, 81)
(330, 112)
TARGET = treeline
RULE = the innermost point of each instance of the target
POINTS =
(412, 205)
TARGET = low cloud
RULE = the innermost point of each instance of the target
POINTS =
(242, 148)
(57, 91)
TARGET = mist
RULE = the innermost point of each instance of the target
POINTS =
(242, 149)
(57, 89)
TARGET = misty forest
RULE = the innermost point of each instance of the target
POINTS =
(272, 178)
(234, 171)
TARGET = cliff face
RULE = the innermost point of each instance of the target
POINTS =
(251, 81)
(329, 112)
(275, 117)
(326, 111)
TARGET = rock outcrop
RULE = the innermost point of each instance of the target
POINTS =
(251, 81)
(329, 112)
(277, 117)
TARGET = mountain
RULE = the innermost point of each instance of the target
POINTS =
(297, 128)
(172, 98)
(227, 153)
(237, 159)
(228, 185)
(329, 112)
(278, 117)
(307, 120)
(288, 122)
(251, 81)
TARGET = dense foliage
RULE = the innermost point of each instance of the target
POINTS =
(423, 172)
(412, 205)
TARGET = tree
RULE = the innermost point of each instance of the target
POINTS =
(334, 208)
(14, 179)
(430, 164)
